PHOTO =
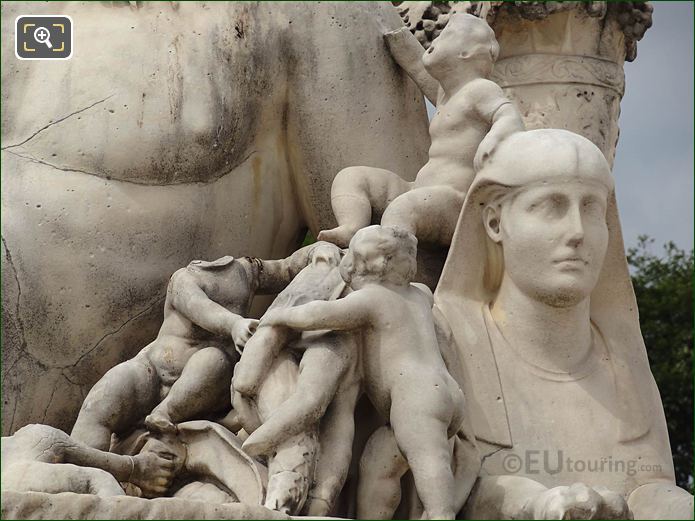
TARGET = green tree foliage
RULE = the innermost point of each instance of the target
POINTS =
(664, 288)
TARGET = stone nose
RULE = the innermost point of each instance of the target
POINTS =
(575, 227)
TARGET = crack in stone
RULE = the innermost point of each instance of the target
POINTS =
(148, 308)
(18, 318)
(65, 375)
(7, 371)
(14, 411)
(62, 168)
(59, 120)
(110, 177)
(48, 405)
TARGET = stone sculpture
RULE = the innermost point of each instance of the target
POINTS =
(198, 130)
(538, 296)
(560, 62)
(473, 116)
(42, 458)
(534, 316)
(328, 376)
(292, 464)
(203, 462)
(185, 374)
(186, 371)
(414, 392)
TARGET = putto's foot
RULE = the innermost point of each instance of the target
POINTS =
(159, 423)
(340, 236)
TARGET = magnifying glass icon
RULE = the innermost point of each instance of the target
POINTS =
(42, 35)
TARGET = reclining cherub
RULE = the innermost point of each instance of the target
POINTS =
(472, 117)
(41, 458)
(404, 373)
(186, 371)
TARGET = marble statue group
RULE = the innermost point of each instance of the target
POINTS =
(357, 376)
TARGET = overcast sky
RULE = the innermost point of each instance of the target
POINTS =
(654, 160)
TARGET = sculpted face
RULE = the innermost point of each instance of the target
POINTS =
(553, 238)
(380, 253)
(464, 36)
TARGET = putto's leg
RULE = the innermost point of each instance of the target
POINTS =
(429, 212)
(123, 396)
(336, 436)
(426, 448)
(358, 194)
(381, 468)
(202, 388)
(258, 356)
(319, 375)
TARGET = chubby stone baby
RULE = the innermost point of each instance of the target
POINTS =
(326, 389)
(472, 117)
(404, 374)
(186, 371)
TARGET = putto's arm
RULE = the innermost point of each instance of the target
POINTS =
(347, 313)
(506, 121)
(275, 275)
(190, 300)
(407, 52)
(504, 118)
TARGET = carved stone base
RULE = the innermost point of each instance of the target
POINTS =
(38, 505)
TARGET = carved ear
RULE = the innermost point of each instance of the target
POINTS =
(346, 268)
(491, 221)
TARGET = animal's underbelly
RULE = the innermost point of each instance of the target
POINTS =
(168, 98)
(107, 247)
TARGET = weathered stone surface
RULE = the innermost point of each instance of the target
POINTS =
(37, 505)
(426, 20)
(200, 130)
(561, 62)
(538, 295)
(534, 317)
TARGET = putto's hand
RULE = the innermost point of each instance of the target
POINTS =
(152, 473)
(242, 331)
(579, 501)
(485, 149)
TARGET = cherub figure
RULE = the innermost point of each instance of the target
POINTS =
(472, 117)
(186, 371)
(326, 389)
(404, 373)
(41, 458)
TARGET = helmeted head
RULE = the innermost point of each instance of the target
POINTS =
(465, 39)
(542, 212)
(546, 226)
(378, 254)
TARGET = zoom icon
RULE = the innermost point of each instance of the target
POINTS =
(43, 37)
